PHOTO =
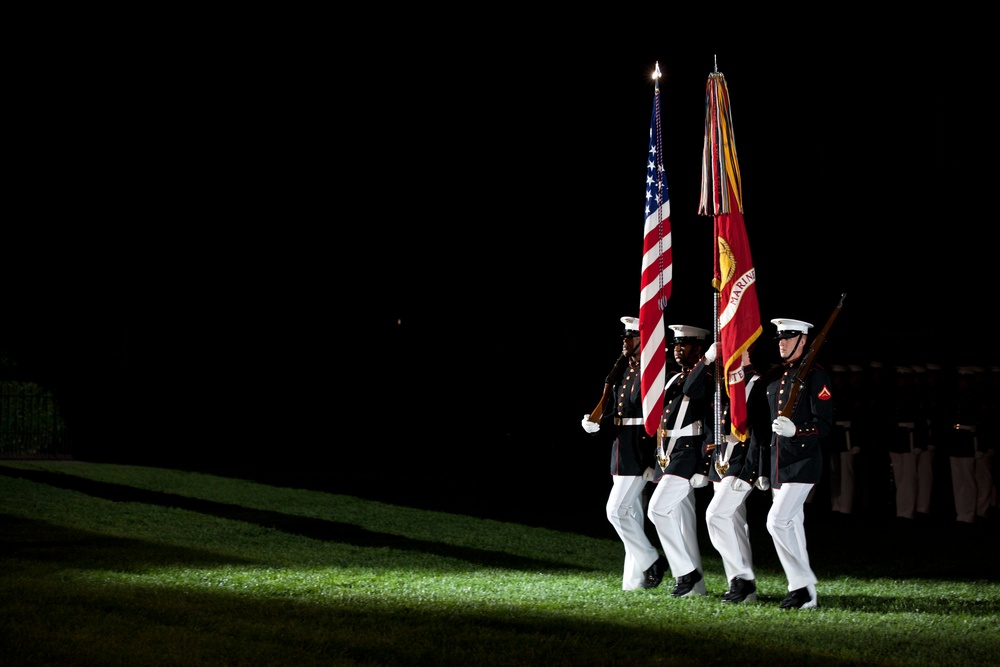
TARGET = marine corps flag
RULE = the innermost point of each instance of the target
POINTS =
(657, 269)
(734, 278)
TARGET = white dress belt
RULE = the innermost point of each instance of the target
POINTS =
(693, 428)
(629, 421)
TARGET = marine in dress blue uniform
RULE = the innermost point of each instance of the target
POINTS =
(632, 464)
(842, 451)
(971, 477)
(907, 445)
(796, 456)
(683, 432)
(732, 470)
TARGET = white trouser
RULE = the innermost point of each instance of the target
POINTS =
(904, 474)
(963, 484)
(986, 491)
(625, 513)
(843, 501)
(726, 517)
(975, 492)
(671, 509)
(786, 524)
(925, 479)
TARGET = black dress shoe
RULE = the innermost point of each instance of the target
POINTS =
(741, 590)
(691, 583)
(800, 598)
(654, 573)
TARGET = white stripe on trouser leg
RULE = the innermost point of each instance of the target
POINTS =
(671, 509)
(624, 511)
(786, 524)
(726, 517)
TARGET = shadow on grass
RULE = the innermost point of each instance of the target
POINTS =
(318, 529)
(209, 627)
(45, 543)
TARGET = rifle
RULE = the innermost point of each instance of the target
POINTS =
(615, 376)
(807, 360)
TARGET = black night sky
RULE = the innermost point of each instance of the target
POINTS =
(265, 250)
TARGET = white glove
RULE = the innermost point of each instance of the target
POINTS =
(648, 474)
(784, 426)
(917, 451)
(740, 484)
(698, 481)
(763, 483)
(855, 450)
(711, 353)
(589, 426)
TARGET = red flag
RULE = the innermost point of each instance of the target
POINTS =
(657, 269)
(734, 275)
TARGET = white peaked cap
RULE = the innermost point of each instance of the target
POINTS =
(684, 331)
(788, 328)
(631, 325)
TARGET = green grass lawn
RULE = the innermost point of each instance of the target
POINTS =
(108, 564)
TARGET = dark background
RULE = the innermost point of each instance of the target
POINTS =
(402, 262)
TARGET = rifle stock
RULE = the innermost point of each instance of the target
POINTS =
(598, 412)
(807, 362)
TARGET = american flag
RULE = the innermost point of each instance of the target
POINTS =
(657, 270)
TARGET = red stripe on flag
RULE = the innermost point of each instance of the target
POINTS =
(657, 268)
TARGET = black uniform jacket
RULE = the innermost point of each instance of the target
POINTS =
(743, 458)
(687, 456)
(799, 458)
(621, 423)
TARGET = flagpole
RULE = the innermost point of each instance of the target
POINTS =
(718, 363)
(716, 297)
